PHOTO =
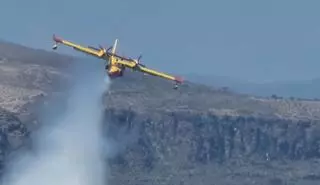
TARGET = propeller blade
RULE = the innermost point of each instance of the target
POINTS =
(109, 48)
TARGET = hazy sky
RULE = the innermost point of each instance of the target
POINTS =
(251, 40)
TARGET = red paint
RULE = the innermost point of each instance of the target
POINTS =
(57, 39)
(115, 74)
(178, 79)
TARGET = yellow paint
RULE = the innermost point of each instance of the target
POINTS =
(87, 50)
(116, 61)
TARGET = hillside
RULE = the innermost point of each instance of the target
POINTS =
(304, 89)
(196, 135)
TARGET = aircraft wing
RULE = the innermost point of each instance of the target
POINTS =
(161, 74)
(88, 50)
(146, 70)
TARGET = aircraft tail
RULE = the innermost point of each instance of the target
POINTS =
(114, 46)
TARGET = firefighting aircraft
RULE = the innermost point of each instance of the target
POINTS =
(116, 64)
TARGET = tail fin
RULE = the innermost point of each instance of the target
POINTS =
(114, 46)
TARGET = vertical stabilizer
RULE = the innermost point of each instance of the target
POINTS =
(114, 46)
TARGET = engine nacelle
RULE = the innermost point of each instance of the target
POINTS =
(138, 64)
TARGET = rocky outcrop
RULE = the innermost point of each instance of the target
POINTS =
(186, 148)
(13, 134)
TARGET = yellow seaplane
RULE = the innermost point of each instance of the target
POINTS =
(116, 64)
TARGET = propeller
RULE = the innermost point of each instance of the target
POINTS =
(138, 61)
(140, 56)
(109, 48)
(102, 48)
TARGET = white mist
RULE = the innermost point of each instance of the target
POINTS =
(69, 151)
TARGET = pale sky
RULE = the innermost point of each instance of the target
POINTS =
(251, 40)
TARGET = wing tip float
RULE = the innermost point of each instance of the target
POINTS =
(56, 40)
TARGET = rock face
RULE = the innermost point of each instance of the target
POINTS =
(196, 135)
(24, 76)
(188, 148)
(13, 134)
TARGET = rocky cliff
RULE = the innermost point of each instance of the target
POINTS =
(187, 148)
(196, 135)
